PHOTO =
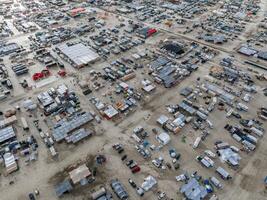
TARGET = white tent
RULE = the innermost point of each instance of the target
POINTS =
(149, 182)
(163, 138)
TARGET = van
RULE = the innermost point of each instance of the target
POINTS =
(214, 197)
(86, 91)
(91, 19)
(51, 141)
(210, 153)
(140, 191)
(229, 113)
(209, 124)
(42, 135)
(6, 92)
(138, 129)
(9, 84)
(2, 96)
(247, 98)
(91, 112)
(242, 107)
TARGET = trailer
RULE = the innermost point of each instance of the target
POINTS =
(223, 173)
(216, 182)
(249, 145)
(136, 138)
(21, 72)
(222, 145)
(257, 131)
(237, 138)
(24, 124)
(19, 67)
(252, 139)
(196, 143)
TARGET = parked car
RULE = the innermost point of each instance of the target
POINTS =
(120, 150)
(181, 177)
(132, 183)
(131, 166)
(117, 146)
(161, 195)
(31, 196)
(210, 153)
(123, 157)
(129, 162)
(176, 166)
(136, 169)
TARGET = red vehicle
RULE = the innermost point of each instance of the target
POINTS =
(136, 169)
(151, 32)
(62, 73)
(39, 75)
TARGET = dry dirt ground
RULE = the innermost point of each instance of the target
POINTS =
(247, 183)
